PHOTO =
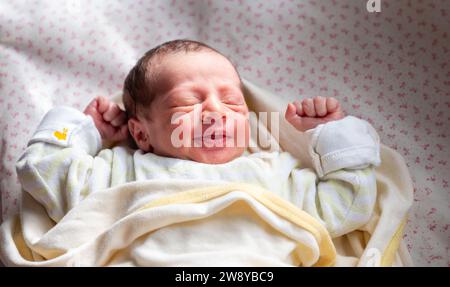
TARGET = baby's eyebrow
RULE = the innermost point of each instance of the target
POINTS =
(182, 91)
(173, 92)
(229, 88)
(178, 94)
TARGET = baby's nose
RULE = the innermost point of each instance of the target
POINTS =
(212, 103)
(212, 110)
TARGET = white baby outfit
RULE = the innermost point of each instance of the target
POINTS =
(64, 162)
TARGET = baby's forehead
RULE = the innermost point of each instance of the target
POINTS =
(176, 60)
(172, 70)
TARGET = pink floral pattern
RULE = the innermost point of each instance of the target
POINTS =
(391, 68)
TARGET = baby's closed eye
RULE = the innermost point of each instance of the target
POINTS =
(184, 101)
(232, 100)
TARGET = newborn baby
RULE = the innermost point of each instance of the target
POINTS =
(186, 92)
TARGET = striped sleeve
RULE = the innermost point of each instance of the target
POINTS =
(341, 190)
(62, 163)
(349, 143)
(342, 201)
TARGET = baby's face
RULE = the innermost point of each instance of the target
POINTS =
(199, 112)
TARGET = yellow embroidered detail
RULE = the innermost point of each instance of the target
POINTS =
(61, 135)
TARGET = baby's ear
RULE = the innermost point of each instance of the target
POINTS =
(139, 133)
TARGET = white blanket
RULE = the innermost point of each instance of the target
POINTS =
(169, 223)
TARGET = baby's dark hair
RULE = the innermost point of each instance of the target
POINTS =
(140, 87)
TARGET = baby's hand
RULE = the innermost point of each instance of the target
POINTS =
(312, 112)
(109, 119)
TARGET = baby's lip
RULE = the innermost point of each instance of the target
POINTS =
(219, 133)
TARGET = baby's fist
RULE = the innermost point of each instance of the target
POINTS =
(310, 113)
(109, 119)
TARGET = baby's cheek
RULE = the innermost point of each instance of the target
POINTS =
(240, 125)
(176, 127)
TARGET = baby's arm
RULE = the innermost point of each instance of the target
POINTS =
(342, 191)
(60, 165)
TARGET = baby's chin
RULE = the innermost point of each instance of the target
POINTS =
(215, 155)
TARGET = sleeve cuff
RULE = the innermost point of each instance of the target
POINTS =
(68, 127)
(347, 143)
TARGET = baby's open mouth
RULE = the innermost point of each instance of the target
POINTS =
(216, 139)
(213, 136)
